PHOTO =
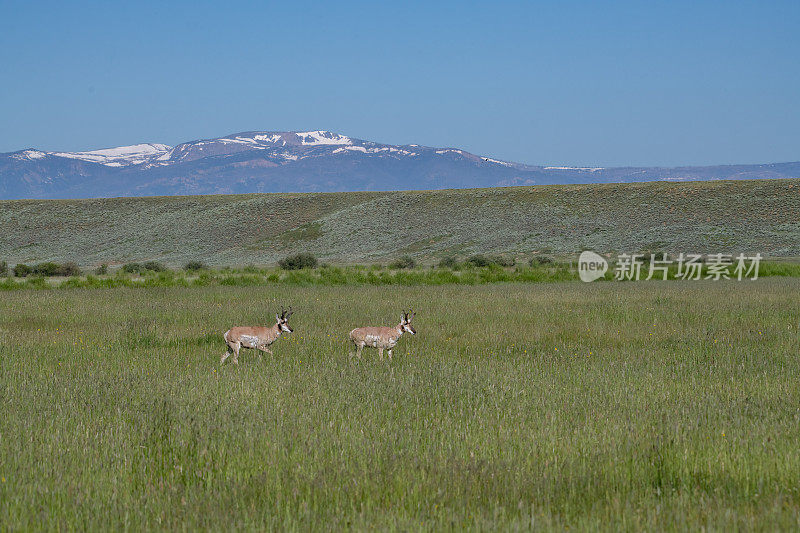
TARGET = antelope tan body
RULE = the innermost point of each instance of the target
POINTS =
(382, 337)
(255, 337)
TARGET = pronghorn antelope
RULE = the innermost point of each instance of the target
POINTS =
(256, 337)
(382, 338)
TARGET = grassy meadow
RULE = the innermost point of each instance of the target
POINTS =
(611, 406)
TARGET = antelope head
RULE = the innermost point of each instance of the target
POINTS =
(405, 322)
(283, 320)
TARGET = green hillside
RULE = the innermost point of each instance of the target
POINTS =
(705, 217)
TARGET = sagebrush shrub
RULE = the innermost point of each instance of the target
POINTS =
(21, 270)
(154, 266)
(448, 262)
(403, 262)
(50, 269)
(481, 260)
(541, 260)
(68, 269)
(132, 268)
(298, 261)
(45, 269)
(194, 266)
(503, 261)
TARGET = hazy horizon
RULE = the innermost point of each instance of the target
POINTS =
(531, 163)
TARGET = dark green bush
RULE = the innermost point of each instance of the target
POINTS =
(298, 261)
(139, 268)
(102, 270)
(21, 270)
(3, 268)
(154, 266)
(68, 269)
(503, 261)
(45, 269)
(541, 260)
(50, 269)
(449, 262)
(481, 260)
(403, 262)
(194, 266)
(132, 268)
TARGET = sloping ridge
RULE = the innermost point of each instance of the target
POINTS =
(701, 217)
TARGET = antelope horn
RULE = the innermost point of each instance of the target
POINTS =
(283, 312)
(290, 312)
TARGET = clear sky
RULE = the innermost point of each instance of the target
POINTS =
(577, 83)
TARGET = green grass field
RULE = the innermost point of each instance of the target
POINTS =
(343, 228)
(613, 406)
(377, 275)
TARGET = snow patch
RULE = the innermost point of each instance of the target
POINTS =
(120, 156)
(319, 137)
(269, 138)
(165, 156)
(497, 161)
(30, 154)
(373, 150)
(590, 169)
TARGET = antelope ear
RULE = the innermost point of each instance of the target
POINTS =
(277, 318)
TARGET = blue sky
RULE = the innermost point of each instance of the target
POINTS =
(583, 83)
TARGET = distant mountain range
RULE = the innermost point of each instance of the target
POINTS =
(307, 161)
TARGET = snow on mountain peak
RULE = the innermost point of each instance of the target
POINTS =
(318, 137)
(30, 154)
(120, 156)
(280, 147)
(268, 137)
(590, 169)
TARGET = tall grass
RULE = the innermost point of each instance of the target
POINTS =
(326, 276)
(611, 406)
(353, 275)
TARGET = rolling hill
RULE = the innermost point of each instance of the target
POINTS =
(308, 161)
(705, 217)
